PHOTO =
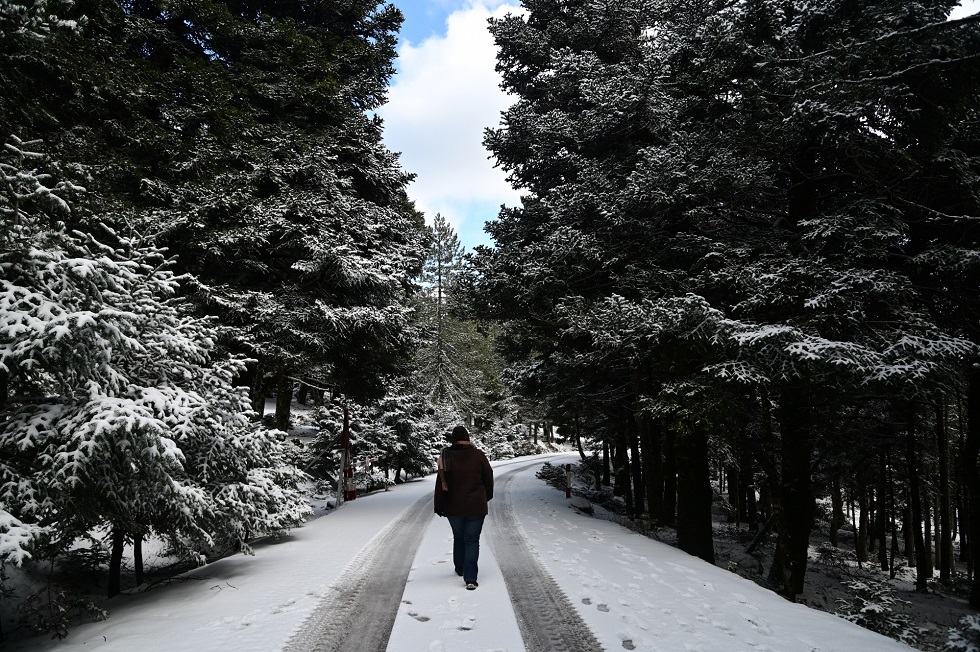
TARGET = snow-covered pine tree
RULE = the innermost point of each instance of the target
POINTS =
(241, 135)
(589, 108)
(118, 412)
(457, 366)
(442, 359)
(771, 160)
(416, 439)
(815, 116)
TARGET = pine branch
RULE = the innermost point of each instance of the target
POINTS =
(887, 37)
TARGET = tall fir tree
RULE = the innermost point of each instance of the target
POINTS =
(238, 135)
(725, 194)
(118, 411)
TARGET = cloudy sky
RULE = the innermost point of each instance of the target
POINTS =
(444, 95)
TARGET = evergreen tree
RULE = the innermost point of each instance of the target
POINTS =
(725, 193)
(441, 358)
(458, 367)
(117, 410)
(239, 134)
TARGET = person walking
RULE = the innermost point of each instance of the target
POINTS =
(464, 486)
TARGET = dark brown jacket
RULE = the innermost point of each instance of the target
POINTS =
(470, 481)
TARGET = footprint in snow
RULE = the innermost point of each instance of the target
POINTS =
(633, 621)
(602, 607)
(586, 600)
(761, 628)
(467, 623)
(741, 599)
(723, 626)
(418, 617)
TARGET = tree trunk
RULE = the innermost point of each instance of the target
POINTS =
(971, 471)
(257, 391)
(746, 489)
(138, 559)
(670, 478)
(915, 501)
(606, 480)
(873, 511)
(927, 533)
(945, 503)
(694, 496)
(284, 399)
(908, 532)
(884, 511)
(115, 562)
(622, 486)
(578, 440)
(651, 439)
(963, 493)
(861, 543)
(837, 514)
(735, 495)
(795, 506)
(636, 467)
(926, 480)
(4, 390)
(894, 516)
(303, 394)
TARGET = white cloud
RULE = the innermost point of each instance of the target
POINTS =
(965, 8)
(445, 94)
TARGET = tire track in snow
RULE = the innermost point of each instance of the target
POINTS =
(359, 612)
(547, 619)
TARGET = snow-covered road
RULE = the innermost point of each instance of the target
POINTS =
(630, 592)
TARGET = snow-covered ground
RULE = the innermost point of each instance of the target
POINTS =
(632, 591)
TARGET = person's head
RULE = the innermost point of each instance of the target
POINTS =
(459, 434)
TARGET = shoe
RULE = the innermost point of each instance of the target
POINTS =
(471, 585)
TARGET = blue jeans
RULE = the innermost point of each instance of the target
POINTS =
(466, 544)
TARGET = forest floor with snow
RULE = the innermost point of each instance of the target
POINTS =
(894, 607)
(925, 618)
(922, 620)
